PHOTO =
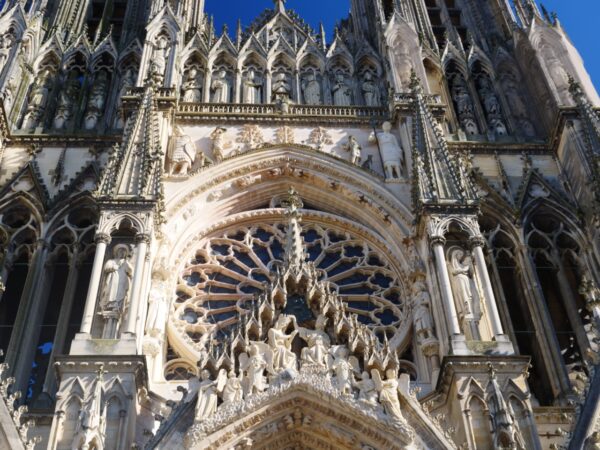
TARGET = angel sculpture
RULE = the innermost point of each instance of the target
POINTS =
(281, 344)
(254, 364)
(318, 343)
(343, 366)
(232, 392)
(208, 394)
(388, 394)
(367, 392)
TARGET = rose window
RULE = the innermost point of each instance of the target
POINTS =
(222, 280)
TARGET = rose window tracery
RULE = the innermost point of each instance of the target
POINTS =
(222, 281)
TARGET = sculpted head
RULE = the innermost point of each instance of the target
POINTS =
(121, 251)
(387, 127)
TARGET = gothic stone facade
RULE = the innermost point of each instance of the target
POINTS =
(263, 238)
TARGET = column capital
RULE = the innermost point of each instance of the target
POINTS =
(477, 241)
(437, 240)
(102, 238)
(142, 237)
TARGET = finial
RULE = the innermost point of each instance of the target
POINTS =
(279, 5)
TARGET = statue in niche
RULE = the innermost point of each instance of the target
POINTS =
(158, 310)
(490, 100)
(160, 56)
(218, 143)
(127, 82)
(316, 353)
(192, 87)
(66, 100)
(460, 94)
(498, 127)
(208, 394)
(220, 87)
(252, 88)
(388, 393)
(370, 90)
(97, 100)
(284, 359)
(184, 153)
(367, 392)
(253, 365)
(344, 367)
(311, 89)
(342, 94)
(355, 150)
(117, 281)
(8, 95)
(422, 320)
(5, 46)
(391, 151)
(38, 100)
(462, 275)
(281, 87)
(233, 392)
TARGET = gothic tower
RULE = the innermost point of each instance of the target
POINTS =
(267, 238)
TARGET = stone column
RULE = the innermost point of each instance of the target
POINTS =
(237, 92)
(102, 241)
(268, 89)
(477, 244)
(437, 245)
(136, 285)
(206, 88)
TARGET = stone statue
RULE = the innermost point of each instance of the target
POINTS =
(160, 56)
(318, 341)
(462, 272)
(5, 45)
(218, 143)
(208, 394)
(97, 100)
(90, 415)
(281, 87)
(184, 153)
(490, 100)
(158, 310)
(311, 89)
(127, 82)
(220, 88)
(66, 101)
(254, 365)
(391, 151)
(342, 94)
(252, 88)
(8, 95)
(592, 442)
(388, 394)
(233, 392)
(370, 90)
(367, 392)
(38, 100)
(192, 87)
(281, 344)
(117, 281)
(460, 94)
(343, 367)
(355, 150)
(422, 320)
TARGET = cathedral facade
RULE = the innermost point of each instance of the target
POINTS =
(268, 238)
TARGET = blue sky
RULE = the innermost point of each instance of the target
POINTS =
(579, 17)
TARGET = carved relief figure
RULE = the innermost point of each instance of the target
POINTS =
(422, 320)
(311, 89)
(220, 87)
(254, 365)
(389, 390)
(90, 415)
(184, 153)
(233, 392)
(158, 310)
(355, 150)
(281, 343)
(252, 88)
(38, 100)
(97, 100)
(192, 87)
(367, 391)
(342, 94)
(318, 341)
(343, 368)
(391, 151)
(218, 143)
(160, 56)
(117, 273)
(370, 90)
(208, 394)
(281, 87)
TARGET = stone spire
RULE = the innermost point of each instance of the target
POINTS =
(588, 115)
(135, 167)
(439, 180)
(279, 5)
(294, 244)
